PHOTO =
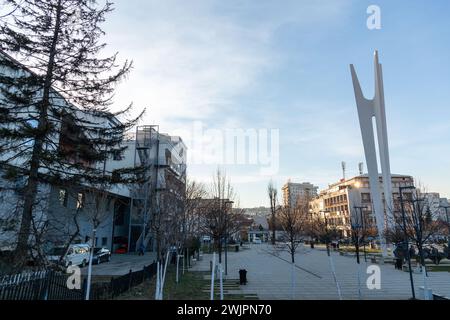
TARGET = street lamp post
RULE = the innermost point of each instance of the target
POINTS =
(226, 235)
(406, 238)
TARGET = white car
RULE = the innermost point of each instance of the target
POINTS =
(257, 241)
(76, 255)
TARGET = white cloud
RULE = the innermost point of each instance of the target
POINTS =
(193, 59)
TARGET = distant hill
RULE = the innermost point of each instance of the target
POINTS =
(258, 211)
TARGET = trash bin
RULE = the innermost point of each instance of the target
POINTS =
(242, 276)
(236, 248)
(398, 263)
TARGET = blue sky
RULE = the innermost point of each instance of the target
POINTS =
(285, 65)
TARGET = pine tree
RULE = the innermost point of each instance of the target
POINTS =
(56, 94)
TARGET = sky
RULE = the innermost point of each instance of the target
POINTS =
(280, 70)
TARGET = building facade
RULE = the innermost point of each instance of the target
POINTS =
(63, 211)
(293, 192)
(444, 209)
(339, 200)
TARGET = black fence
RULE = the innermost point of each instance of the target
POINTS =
(119, 285)
(53, 285)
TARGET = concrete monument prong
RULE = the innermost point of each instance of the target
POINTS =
(367, 110)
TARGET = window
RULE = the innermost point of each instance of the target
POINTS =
(119, 215)
(80, 200)
(63, 197)
(365, 197)
(104, 241)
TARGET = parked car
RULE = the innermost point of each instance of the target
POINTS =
(257, 241)
(76, 255)
(101, 255)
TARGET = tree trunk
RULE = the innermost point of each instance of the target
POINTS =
(32, 183)
(219, 249)
(292, 280)
(91, 255)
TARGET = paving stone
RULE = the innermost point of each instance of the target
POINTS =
(269, 275)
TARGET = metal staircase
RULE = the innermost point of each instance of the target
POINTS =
(146, 142)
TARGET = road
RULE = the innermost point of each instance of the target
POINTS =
(121, 264)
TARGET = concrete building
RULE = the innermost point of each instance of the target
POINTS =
(258, 211)
(132, 207)
(444, 209)
(338, 201)
(292, 192)
(126, 209)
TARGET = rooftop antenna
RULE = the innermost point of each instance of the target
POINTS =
(343, 169)
(361, 168)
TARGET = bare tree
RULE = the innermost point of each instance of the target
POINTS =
(166, 224)
(95, 203)
(323, 231)
(417, 217)
(218, 218)
(195, 192)
(326, 233)
(421, 221)
(294, 222)
(357, 223)
(272, 192)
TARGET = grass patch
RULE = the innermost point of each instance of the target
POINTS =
(361, 250)
(438, 268)
(192, 286)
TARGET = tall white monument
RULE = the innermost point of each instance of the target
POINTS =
(367, 111)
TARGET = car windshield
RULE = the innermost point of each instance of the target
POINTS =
(57, 251)
(97, 250)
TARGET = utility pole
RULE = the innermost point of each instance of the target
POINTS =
(406, 238)
(226, 233)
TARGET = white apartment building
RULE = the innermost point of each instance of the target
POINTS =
(336, 203)
(293, 192)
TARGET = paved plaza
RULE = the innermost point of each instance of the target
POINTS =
(269, 275)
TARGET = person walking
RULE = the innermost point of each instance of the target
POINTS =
(141, 249)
